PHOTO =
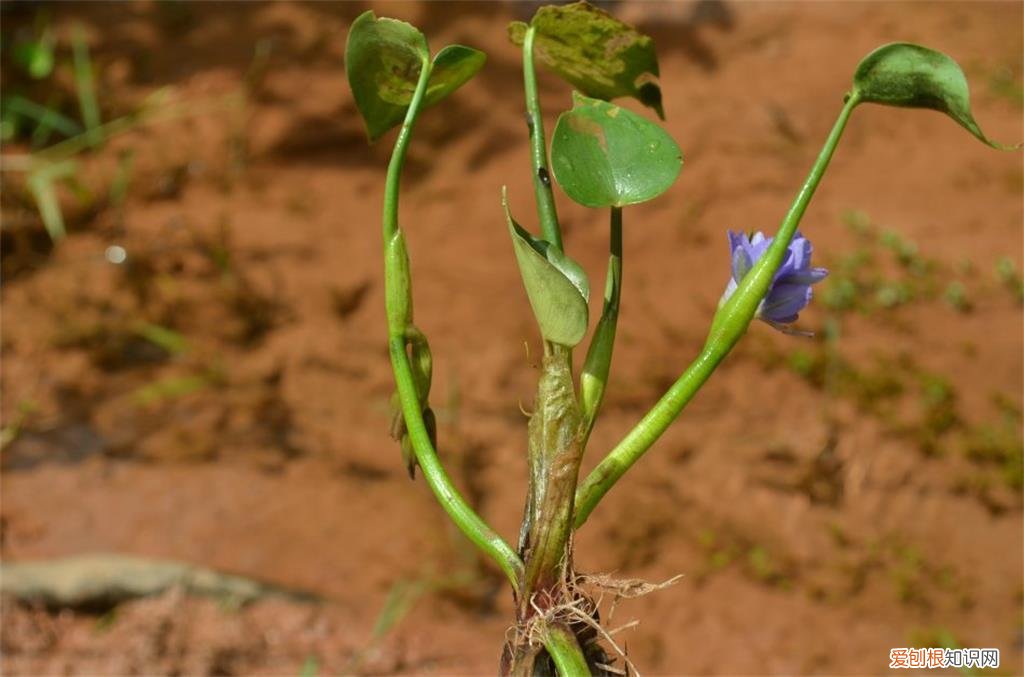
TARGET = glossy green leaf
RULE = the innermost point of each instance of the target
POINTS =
(606, 156)
(912, 76)
(383, 61)
(599, 55)
(453, 67)
(555, 284)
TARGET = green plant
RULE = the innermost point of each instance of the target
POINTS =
(603, 157)
(51, 165)
(1008, 275)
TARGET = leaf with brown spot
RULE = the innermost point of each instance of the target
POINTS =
(599, 55)
(606, 156)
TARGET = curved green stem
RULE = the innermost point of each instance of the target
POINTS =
(730, 323)
(596, 366)
(538, 149)
(735, 315)
(639, 440)
(468, 521)
(397, 291)
(391, 184)
(565, 651)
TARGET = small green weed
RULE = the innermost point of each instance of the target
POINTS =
(1010, 278)
(956, 296)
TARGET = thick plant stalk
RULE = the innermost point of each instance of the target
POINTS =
(554, 460)
(728, 327)
(565, 651)
(555, 449)
(554, 440)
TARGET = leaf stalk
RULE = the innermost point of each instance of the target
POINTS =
(729, 325)
(546, 212)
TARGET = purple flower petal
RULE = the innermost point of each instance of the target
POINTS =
(809, 276)
(735, 240)
(759, 245)
(729, 289)
(790, 291)
(741, 264)
(785, 300)
(800, 247)
(786, 268)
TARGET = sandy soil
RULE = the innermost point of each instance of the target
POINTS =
(824, 499)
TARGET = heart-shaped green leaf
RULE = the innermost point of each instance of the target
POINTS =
(912, 76)
(555, 284)
(383, 61)
(606, 156)
(598, 54)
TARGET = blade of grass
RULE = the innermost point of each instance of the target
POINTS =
(122, 177)
(82, 192)
(41, 134)
(153, 110)
(400, 600)
(14, 428)
(167, 339)
(310, 668)
(170, 389)
(43, 115)
(402, 597)
(86, 86)
(41, 185)
(41, 165)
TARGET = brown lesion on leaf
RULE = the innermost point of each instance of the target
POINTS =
(396, 80)
(598, 54)
(583, 125)
(621, 42)
(517, 33)
(645, 78)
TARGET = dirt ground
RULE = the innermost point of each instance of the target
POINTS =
(220, 397)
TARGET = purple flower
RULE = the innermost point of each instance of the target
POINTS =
(790, 291)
